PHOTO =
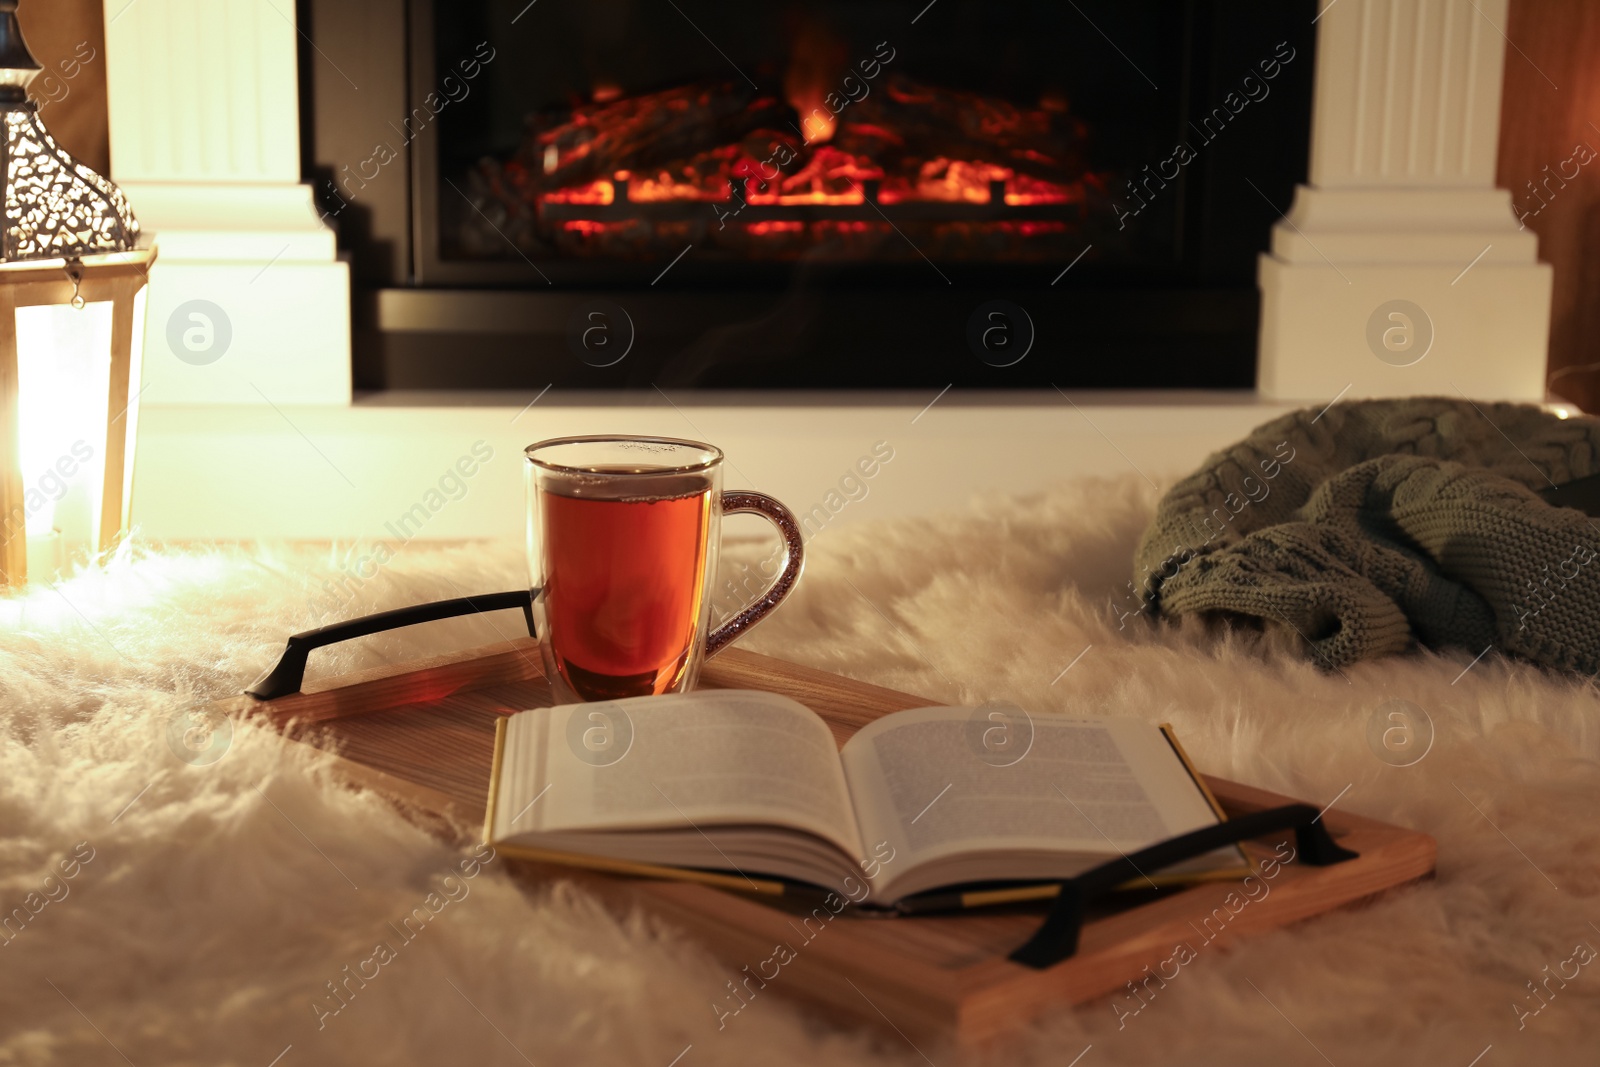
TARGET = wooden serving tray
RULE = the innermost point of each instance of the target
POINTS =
(423, 734)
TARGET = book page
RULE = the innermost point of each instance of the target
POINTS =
(718, 758)
(934, 783)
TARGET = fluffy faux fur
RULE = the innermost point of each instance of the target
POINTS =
(210, 904)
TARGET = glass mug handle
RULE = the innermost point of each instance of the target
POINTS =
(793, 559)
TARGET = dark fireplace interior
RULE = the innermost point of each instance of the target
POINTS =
(806, 194)
(630, 148)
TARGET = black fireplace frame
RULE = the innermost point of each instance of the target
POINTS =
(423, 322)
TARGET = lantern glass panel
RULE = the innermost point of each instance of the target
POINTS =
(63, 378)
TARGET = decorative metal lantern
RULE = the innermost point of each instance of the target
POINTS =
(72, 281)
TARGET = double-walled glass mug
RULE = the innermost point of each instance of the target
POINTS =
(623, 535)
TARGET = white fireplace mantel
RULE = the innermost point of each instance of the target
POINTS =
(1401, 269)
(249, 302)
(1400, 205)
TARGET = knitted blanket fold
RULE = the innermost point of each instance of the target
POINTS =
(1376, 524)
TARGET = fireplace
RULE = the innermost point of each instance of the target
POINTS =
(752, 178)
(807, 195)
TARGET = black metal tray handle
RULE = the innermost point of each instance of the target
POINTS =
(290, 671)
(1057, 939)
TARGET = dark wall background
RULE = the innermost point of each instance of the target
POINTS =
(1551, 106)
(71, 88)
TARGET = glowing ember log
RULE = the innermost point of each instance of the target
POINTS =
(637, 133)
(960, 174)
(906, 124)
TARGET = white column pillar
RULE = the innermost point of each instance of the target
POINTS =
(248, 301)
(1401, 269)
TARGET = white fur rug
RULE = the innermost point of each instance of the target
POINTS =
(208, 905)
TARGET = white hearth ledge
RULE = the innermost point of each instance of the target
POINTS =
(316, 472)
(319, 472)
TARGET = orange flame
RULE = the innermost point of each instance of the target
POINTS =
(815, 64)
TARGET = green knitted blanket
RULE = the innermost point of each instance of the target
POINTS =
(1376, 524)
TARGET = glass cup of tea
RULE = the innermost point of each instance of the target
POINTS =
(623, 534)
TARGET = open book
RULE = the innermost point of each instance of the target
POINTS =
(752, 784)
